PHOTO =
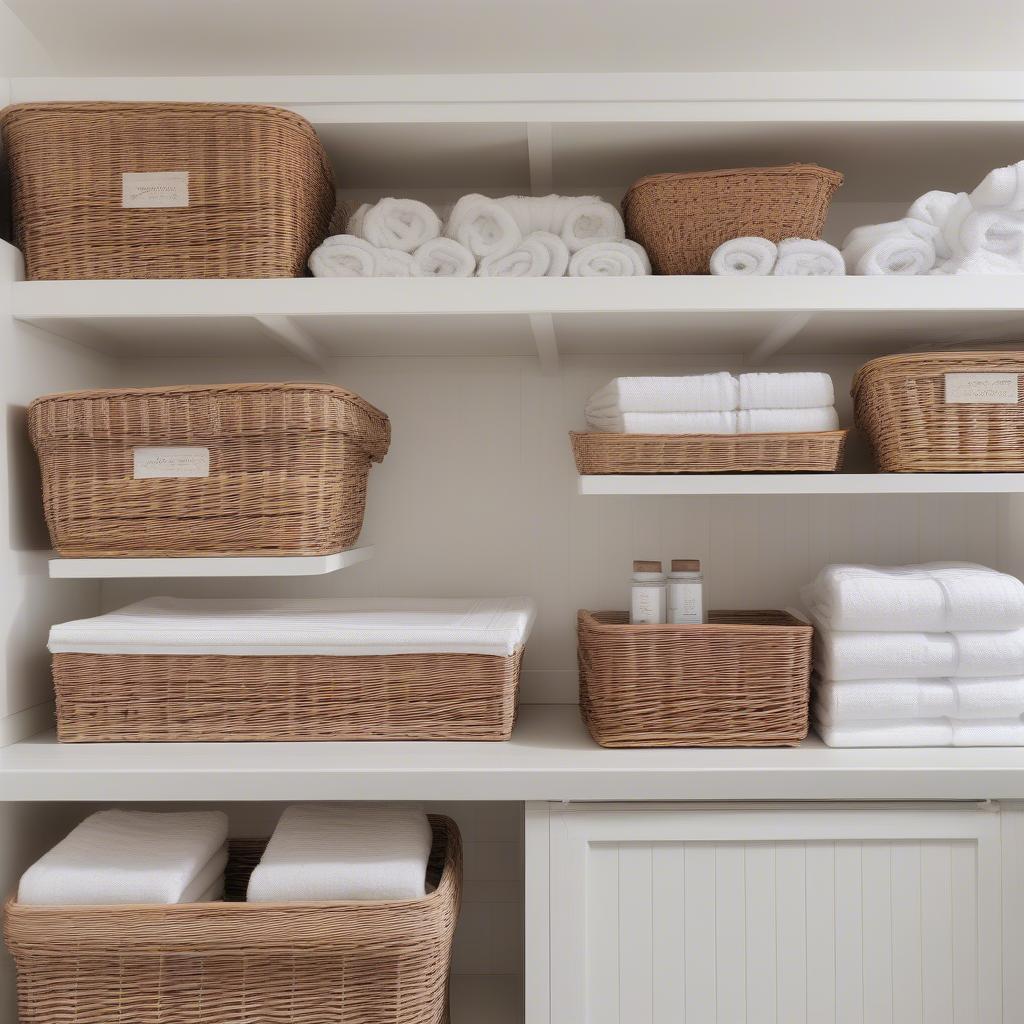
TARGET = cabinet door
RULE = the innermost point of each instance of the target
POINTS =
(788, 915)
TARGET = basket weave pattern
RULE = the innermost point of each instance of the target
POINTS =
(599, 453)
(288, 469)
(680, 219)
(164, 698)
(741, 680)
(261, 191)
(900, 405)
(382, 962)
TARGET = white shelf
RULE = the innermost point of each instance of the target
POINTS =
(805, 483)
(167, 568)
(550, 757)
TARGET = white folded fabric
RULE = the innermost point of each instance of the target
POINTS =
(808, 257)
(708, 392)
(444, 257)
(786, 421)
(292, 626)
(899, 247)
(344, 256)
(785, 390)
(212, 895)
(992, 732)
(749, 256)
(403, 224)
(857, 700)
(610, 259)
(557, 249)
(980, 262)
(530, 258)
(394, 263)
(933, 209)
(1001, 189)
(484, 226)
(121, 856)
(663, 422)
(937, 597)
(344, 852)
(588, 220)
(911, 732)
(210, 879)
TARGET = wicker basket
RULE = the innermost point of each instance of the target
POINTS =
(205, 963)
(287, 469)
(257, 199)
(680, 219)
(740, 681)
(600, 453)
(901, 404)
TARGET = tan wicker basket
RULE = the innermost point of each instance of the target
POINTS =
(741, 680)
(162, 698)
(600, 453)
(900, 403)
(258, 199)
(222, 963)
(287, 469)
(680, 219)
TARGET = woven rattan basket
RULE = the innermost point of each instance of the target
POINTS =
(742, 680)
(933, 413)
(599, 453)
(222, 963)
(231, 190)
(286, 468)
(680, 219)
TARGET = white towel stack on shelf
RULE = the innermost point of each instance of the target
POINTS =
(715, 403)
(752, 256)
(927, 655)
(117, 857)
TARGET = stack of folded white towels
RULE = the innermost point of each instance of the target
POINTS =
(715, 403)
(514, 236)
(753, 256)
(918, 656)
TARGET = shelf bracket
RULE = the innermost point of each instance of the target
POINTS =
(781, 335)
(296, 339)
(543, 327)
(539, 147)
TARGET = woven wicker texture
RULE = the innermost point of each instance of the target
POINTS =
(288, 469)
(680, 219)
(261, 191)
(708, 453)
(207, 698)
(741, 680)
(227, 963)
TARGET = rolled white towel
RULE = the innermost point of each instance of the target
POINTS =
(808, 257)
(995, 232)
(980, 262)
(558, 250)
(1001, 189)
(893, 248)
(785, 390)
(344, 256)
(394, 263)
(786, 421)
(530, 258)
(484, 226)
(707, 392)
(588, 220)
(444, 257)
(933, 209)
(610, 259)
(403, 224)
(344, 852)
(354, 226)
(749, 256)
(663, 422)
(911, 732)
(538, 213)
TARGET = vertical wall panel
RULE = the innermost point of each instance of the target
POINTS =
(849, 935)
(603, 935)
(937, 933)
(791, 932)
(635, 938)
(699, 959)
(906, 934)
(668, 928)
(876, 876)
(820, 884)
(760, 951)
(730, 932)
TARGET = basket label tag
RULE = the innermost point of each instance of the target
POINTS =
(156, 188)
(981, 389)
(156, 463)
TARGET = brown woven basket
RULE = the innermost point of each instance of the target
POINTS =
(162, 698)
(260, 191)
(900, 405)
(680, 219)
(287, 469)
(600, 453)
(742, 680)
(203, 963)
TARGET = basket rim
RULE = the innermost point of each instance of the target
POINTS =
(778, 169)
(835, 434)
(923, 359)
(588, 619)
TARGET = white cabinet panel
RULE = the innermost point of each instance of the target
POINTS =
(788, 915)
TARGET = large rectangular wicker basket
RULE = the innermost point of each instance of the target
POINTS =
(902, 405)
(741, 680)
(286, 473)
(223, 963)
(161, 190)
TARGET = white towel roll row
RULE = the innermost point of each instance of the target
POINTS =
(752, 256)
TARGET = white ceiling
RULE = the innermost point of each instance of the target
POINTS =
(258, 37)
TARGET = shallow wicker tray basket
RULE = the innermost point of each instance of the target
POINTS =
(742, 680)
(220, 963)
(286, 474)
(232, 190)
(902, 404)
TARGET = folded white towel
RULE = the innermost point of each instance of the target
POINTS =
(344, 256)
(901, 247)
(444, 257)
(877, 655)
(937, 597)
(403, 224)
(933, 209)
(484, 226)
(992, 732)
(344, 852)
(588, 220)
(1001, 189)
(610, 259)
(532, 257)
(120, 856)
(210, 879)
(212, 895)
(911, 732)
(785, 390)
(749, 256)
(557, 249)
(786, 421)
(708, 392)
(980, 262)
(808, 257)
(663, 422)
